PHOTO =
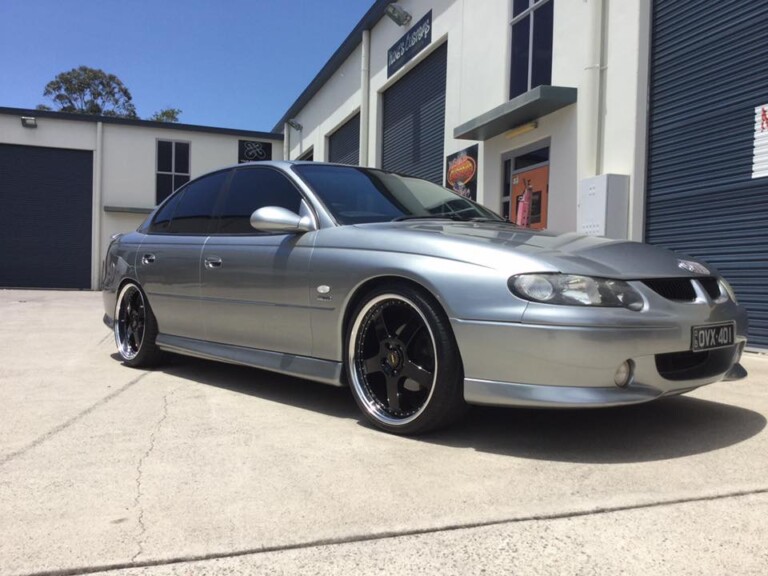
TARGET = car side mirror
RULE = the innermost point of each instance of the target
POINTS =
(277, 219)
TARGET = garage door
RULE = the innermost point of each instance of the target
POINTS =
(414, 120)
(45, 217)
(344, 143)
(708, 71)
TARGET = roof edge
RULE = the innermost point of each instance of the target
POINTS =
(368, 21)
(137, 122)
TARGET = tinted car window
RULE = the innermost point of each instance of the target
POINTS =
(194, 212)
(162, 221)
(251, 189)
(359, 195)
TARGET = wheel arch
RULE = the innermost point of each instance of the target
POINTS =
(445, 400)
(359, 293)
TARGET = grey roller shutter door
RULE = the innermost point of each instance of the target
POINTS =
(45, 217)
(413, 140)
(344, 144)
(709, 62)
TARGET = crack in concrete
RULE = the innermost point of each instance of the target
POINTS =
(140, 475)
(354, 539)
(61, 427)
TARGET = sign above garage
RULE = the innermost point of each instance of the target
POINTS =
(412, 42)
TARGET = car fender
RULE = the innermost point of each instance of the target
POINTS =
(340, 277)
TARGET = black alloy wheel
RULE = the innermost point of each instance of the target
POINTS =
(403, 363)
(135, 328)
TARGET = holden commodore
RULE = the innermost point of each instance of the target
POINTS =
(418, 299)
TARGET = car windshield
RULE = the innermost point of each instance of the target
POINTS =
(361, 195)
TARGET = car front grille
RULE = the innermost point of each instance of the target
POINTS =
(691, 365)
(681, 289)
(711, 286)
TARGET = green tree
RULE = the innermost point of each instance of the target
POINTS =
(166, 115)
(87, 90)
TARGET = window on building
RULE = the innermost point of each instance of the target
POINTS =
(172, 167)
(250, 190)
(531, 61)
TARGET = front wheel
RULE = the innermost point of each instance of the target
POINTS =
(135, 328)
(403, 364)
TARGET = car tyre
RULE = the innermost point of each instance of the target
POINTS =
(402, 362)
(135, 328)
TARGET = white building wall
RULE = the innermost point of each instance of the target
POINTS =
(50, 133)
(331, 107)
(599, 134)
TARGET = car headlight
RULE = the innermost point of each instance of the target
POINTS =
(728, 289)
(572, 290)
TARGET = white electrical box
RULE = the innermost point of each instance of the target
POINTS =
(603, 206)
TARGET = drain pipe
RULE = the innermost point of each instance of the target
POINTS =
(286, 141)
(365, 85)
(590, 97)
(97, 208)
(601, 88)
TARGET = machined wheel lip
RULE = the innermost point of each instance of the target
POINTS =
(126, 351)
(370, 404)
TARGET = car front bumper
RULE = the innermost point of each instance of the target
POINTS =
(573, 363)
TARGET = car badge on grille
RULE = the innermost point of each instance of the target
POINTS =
(690, 266)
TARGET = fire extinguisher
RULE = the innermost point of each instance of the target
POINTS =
(524, 206)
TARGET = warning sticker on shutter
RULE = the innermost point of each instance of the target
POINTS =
(760, 148)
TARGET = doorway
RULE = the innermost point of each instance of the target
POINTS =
(527, 171)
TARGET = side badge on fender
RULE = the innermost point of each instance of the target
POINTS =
(324, 293)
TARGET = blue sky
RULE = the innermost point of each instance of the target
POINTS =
(228, 63)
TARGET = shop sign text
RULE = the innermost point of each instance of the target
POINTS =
(413, 42)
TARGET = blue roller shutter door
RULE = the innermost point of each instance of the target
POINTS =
(45, 217)
(708, 70)
(344, 144)
(413, 140)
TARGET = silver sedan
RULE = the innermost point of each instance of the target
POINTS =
(418, 299)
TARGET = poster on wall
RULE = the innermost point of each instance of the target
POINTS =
(253, 151)
(461, 172)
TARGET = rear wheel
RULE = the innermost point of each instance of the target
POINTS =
(135, 328)
(403, 363)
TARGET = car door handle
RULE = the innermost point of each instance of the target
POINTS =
(213, 262)
(148, 259)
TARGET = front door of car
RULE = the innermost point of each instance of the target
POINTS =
(255, 285)
(168, 262)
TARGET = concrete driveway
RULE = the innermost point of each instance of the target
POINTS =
(205, 468)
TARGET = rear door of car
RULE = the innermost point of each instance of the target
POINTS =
(254, 284)
(168, 263)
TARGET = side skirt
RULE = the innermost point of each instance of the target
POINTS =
(325, 371)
